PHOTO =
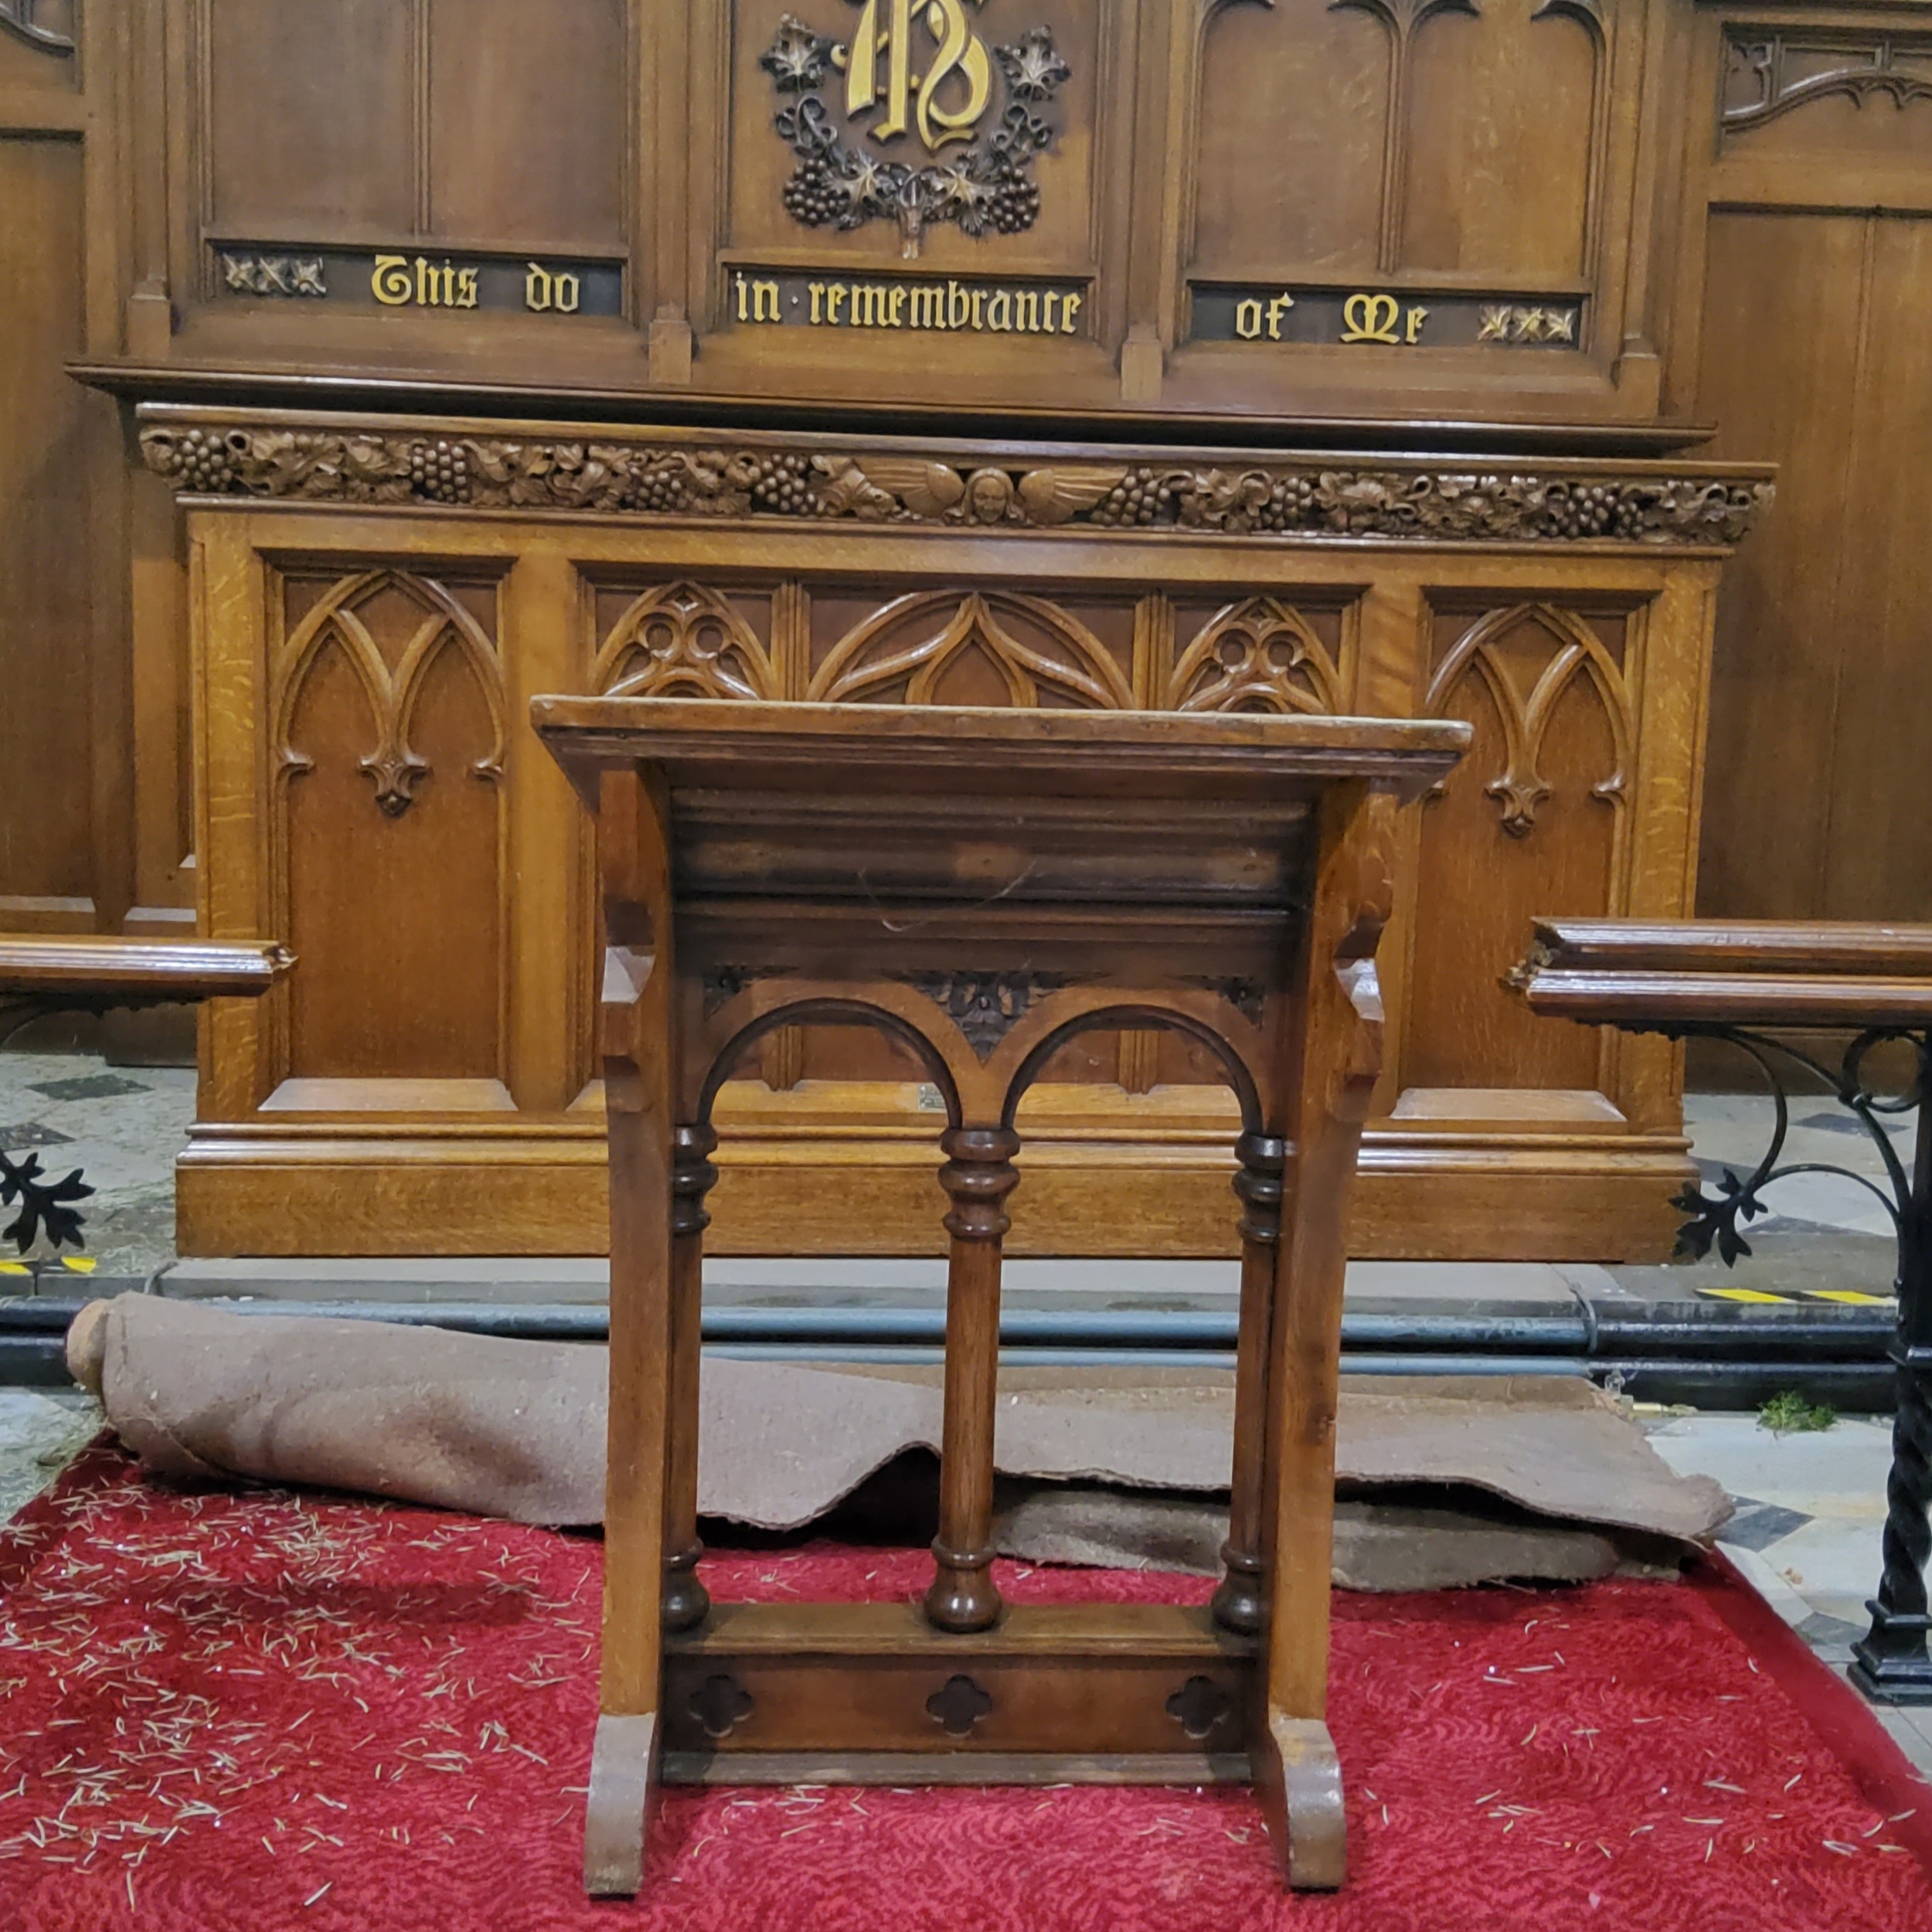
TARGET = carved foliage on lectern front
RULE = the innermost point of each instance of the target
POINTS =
(1492, 649)
(919, 649)
(1260, 655)
(683, 641)
(425, 620)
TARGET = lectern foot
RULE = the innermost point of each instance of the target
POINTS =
(1298, 1779)
(624, 1783)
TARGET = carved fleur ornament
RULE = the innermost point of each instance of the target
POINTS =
(915, 80)
(1317, 497)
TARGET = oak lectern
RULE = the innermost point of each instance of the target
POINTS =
(985, 885)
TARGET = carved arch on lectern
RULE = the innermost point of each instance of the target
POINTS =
(1241, 1075)
(815, 1009)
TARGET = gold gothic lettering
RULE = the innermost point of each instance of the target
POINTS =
(397, 283)
(1372, 318)
(952, 306)
(887, 44)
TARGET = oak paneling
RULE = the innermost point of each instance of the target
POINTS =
(47, 448)
(529, 110)
(1294, 105)
(1784, 303)
(1501, 127)
(1878, 863)
(310, 117)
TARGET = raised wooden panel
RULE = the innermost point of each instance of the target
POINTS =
(46, 453)
(1880, 782)
(1530, 818)
(529, 109)
(388, 735)
(1785, 300)
(1294, 104)
(310, 117)
(1060, 233)
(1501, 126)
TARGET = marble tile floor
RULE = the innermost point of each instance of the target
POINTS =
(1810, 1509)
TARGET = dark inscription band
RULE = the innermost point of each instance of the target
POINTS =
(403, 278)
(1381, 319)
(827, 298)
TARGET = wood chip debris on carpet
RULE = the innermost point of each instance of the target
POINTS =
(242, 1712)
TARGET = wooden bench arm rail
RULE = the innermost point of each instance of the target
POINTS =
(1695, 975)
(102, 972)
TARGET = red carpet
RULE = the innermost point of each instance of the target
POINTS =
(224, 1714)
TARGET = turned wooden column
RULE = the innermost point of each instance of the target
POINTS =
(1238, 1603)
(686, 1602)
(977, 1177)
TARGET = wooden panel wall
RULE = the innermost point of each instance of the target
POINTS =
(66, 801)
(1809, 219)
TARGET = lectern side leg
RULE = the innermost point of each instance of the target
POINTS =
(1329, 1058)
(977, 1177)
(1238, 1603)
(686, 1602)
(639, 1054)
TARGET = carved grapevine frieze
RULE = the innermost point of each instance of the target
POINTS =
(394, 766)
(1258, 655)
(1419, 501)
(681, 640)
(1770, 75)
(1521, 788)
(868, 660)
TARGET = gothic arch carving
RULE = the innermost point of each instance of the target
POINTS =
(394, 766)
(1256, 655)
(1520, 788)
(971, 623)
(1762, 83)
(681, 640)
(17, 17)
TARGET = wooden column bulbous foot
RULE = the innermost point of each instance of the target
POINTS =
(686, 1601)
(1239, 1604)
(977, 1177)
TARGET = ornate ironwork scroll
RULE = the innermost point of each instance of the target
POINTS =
(1892, 1662)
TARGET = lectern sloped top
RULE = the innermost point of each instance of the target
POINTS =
(984, 887)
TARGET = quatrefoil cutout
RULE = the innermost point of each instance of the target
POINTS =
(720, 1704)
(1198, 1706)
(958, 1705)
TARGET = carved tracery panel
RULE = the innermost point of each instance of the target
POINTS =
(978, 647)
(683, 641)
(1533, 817)
(387, 737)
(1258, 655)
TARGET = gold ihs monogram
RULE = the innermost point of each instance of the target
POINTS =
(878, 66)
